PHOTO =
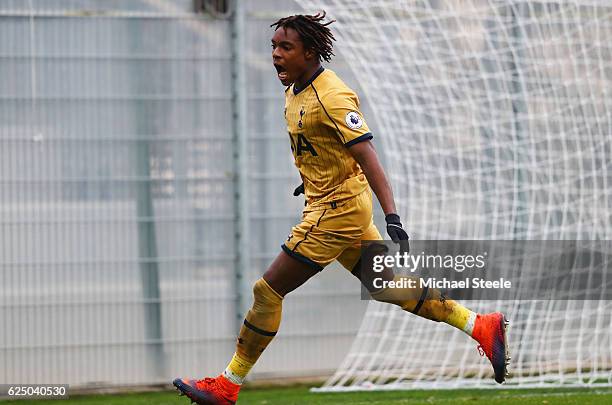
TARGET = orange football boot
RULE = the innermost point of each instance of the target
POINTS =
(490, 332)
(209, 391)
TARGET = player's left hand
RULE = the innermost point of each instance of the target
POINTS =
(299, 190)
(397, 233)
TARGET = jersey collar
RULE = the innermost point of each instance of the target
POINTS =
(296, 91)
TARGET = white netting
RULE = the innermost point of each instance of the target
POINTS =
(496, 122)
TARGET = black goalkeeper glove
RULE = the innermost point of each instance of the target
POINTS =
(397, 233)
(299, 190)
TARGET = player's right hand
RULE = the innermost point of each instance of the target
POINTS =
(397, 233)
(299, 190)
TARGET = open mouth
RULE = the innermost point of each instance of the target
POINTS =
(282, 72)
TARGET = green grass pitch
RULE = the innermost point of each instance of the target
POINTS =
(301, 396)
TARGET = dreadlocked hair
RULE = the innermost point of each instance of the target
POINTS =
(314, 34)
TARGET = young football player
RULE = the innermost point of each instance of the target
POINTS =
(332, 148)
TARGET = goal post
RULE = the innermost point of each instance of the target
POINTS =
(495, 119)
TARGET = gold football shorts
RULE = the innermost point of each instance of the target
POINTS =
(333, 233)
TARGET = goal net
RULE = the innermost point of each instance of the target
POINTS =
(495, 120)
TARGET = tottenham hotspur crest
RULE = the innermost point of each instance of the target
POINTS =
(353, 120)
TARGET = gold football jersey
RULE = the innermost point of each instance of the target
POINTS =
(323, 121)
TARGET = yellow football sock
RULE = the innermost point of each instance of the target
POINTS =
(460, 317)
(433, 306)
(238, 369)
(259, 328)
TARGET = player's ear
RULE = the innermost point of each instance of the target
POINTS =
(310, 54)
